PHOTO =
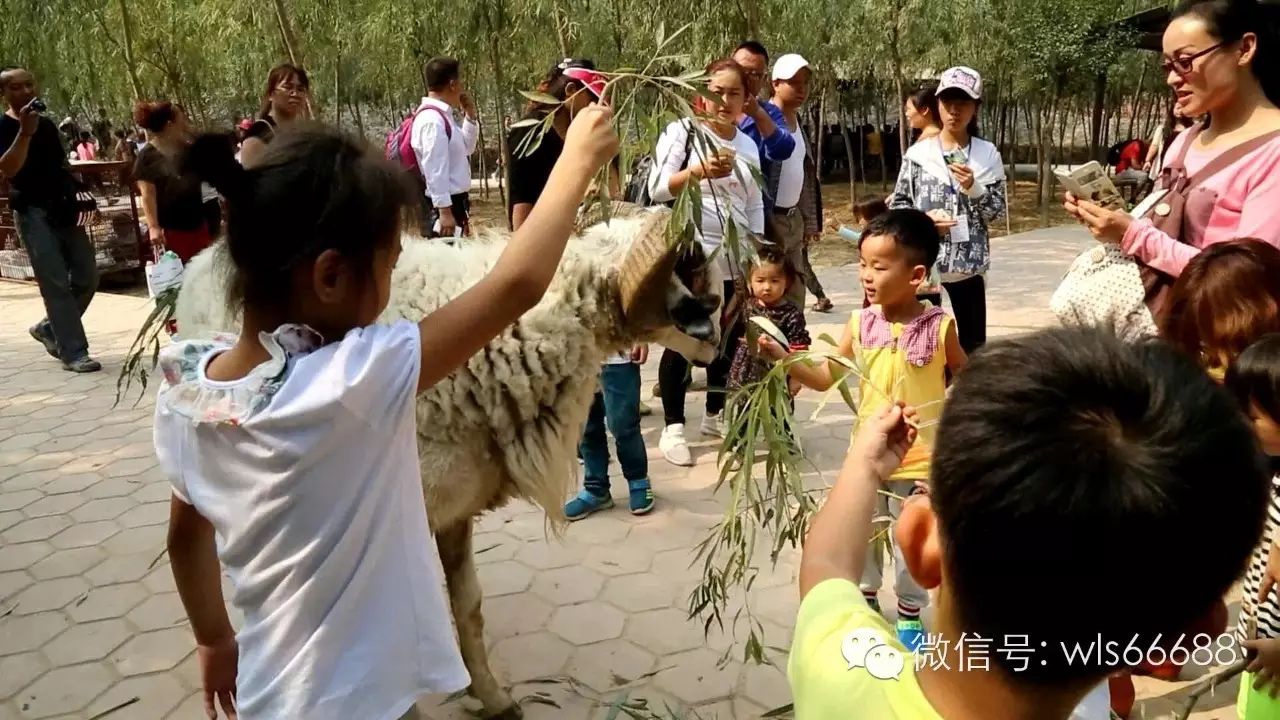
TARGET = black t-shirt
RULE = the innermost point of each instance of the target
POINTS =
(45, 178)
(263, 128)
(177, 196)
(528, 175)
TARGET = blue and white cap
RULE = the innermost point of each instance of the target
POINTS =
(961, 78)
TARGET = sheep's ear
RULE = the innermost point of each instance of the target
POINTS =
(646, 272)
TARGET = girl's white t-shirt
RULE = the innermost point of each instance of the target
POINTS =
(308, 470)
(737, 195)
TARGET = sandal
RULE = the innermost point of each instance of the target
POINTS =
(823, 305)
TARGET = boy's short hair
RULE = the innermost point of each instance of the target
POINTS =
(1071, 467)
(440, 71)
(914, 232)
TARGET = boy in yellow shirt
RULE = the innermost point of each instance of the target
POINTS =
(1062, 458)
(905, 349)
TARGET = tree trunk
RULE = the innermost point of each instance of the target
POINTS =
(1043, 147)
(848, 151)
(499, 77)
(502, 153)
(1095, 130)
(1137, 99)
(561, 20)
(897, 75)
(821, 134)
(131, 65)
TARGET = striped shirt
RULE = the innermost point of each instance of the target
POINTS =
(1268, 613)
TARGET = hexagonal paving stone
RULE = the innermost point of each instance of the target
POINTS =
(607, 665)
(153, 513)
(624, 559)
(121, 568)
(52, 505)
(17, 671)
(664, 631)
(695, 676)
(85, 534)
(41, 528)
(494, 547)
(130, 468)
(192, 707)
(568, 585)
(551, 554)
(49, 595)
(88, 641)
(134, 450)
(31, 633)
(18, 500)
(587, 623)
(110, 488)
(18, 556)
(765, 685)
(154, 489)
(504, 578)
(512, 615)
(71, 482)
(676, 565)
(65, 690)
(636, 593)
(157, 695)
(136, 540)
(65, 563)
(153, 652)
(102, 509)
(602, 530)
(107, 602)
(12, 583)
(158, 612)
(525, 657)
(9, 518)
(24, 441)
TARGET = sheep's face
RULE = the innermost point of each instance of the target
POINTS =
(666, 290)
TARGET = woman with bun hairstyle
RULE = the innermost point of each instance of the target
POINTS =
(286, 99)
(171, 199)
(1222, 60)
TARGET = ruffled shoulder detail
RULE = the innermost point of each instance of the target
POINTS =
(187, 392)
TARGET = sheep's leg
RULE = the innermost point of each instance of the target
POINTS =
(464, 595)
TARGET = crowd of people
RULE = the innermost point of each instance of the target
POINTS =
(1016, 475)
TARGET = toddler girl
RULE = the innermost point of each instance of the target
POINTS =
(292, 448)
(770, 276)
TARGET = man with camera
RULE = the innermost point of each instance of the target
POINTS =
(42, 195)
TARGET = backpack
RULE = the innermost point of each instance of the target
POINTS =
(642, 168)
(400, 142)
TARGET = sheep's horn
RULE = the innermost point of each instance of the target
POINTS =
(646, 272)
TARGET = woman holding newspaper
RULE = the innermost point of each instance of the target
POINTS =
(958, 179)
(1221, 179)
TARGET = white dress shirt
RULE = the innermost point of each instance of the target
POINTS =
(443, 160)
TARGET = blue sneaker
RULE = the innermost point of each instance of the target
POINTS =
(586, 503)
(911, 634)
(641, 497)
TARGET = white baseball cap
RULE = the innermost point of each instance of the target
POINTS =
(786, 67)
(961, 78)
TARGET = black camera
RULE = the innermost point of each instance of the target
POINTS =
(38, 105)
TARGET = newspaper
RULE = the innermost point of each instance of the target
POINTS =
(1090, 182)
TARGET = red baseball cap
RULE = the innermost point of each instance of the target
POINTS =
(590, 79)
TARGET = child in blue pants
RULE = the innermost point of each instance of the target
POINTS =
(617, 406)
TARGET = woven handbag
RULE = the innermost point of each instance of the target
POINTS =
(1103, 288)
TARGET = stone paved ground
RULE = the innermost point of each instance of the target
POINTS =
(89, 618)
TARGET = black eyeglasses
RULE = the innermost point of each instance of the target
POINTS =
(1184, 64)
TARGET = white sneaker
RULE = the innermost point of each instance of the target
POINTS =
(713, 425)
(673, 446)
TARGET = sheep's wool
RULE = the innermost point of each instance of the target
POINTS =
(507, 421)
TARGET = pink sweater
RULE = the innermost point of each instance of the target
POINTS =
(1241, 201)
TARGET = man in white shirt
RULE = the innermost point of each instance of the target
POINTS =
(443, 149)
(785, 222)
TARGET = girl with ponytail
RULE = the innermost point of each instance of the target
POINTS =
(293, 443)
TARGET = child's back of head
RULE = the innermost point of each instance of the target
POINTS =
(315, 189)
(1071, 471)
(1227, 297)
(864, 211)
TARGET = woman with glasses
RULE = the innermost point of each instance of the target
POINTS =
(1222, 59)
(286, 99)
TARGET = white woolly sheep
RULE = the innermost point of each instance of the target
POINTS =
(505, 425)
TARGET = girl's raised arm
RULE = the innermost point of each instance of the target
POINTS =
(455, 332)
